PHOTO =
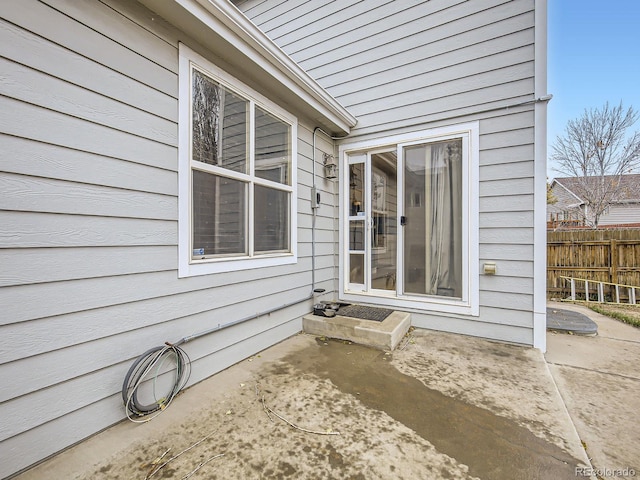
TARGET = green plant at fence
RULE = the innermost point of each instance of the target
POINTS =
(623, 317)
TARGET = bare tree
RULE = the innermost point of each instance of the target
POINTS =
(597, 150)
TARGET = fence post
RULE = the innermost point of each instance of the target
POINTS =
(613, 258)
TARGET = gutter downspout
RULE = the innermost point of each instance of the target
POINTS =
(540, 169)
(314, 207)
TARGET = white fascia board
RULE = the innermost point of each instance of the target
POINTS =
(224, 20)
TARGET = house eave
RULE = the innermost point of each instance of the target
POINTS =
(222, 28)
(567, 190)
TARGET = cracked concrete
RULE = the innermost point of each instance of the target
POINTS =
(440, 406)
(599, 379)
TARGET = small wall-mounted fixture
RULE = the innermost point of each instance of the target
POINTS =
(490, 268)
(315, 198)
(330, 166)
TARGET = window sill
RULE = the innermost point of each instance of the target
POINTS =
(208, 267)
(416, 304)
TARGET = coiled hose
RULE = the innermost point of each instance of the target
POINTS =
(148, 367)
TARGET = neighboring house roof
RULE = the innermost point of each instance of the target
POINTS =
(628, 186)
(222, 28)
(565, 198)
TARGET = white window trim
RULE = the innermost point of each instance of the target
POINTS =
(469, 305)
(186, 266)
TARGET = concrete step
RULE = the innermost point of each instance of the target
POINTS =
(384, 335)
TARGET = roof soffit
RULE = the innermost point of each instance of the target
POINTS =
(223, 29)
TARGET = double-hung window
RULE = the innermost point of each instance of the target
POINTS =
(237, 173)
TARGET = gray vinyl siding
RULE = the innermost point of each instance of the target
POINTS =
(565, 203)
(89, 237)
(394, 64)
(621, 214)
(410, 65)
(616, 214)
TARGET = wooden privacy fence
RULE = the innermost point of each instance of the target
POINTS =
(601, 256)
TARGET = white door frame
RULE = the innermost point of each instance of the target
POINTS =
(468, 305)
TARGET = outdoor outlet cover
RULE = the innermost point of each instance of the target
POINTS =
(490, 268)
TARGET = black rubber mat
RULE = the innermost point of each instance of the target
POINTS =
(365, 313)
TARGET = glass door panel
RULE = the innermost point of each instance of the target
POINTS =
(356, 270)
(433, 212)
(383, 221)
(357, 227)
(356, 190)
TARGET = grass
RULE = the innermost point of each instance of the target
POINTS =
(625, 313)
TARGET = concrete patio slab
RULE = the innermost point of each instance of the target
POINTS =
(439, 406)
(599, 380)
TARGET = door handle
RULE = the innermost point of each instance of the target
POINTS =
(403, 221)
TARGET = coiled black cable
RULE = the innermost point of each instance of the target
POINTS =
(148, 367)
(154, 358)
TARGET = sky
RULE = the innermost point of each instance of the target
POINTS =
(593, 57)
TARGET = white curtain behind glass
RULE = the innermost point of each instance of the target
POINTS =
(433, 210)
(444, 218)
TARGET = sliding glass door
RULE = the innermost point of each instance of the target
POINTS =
(407, 213)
